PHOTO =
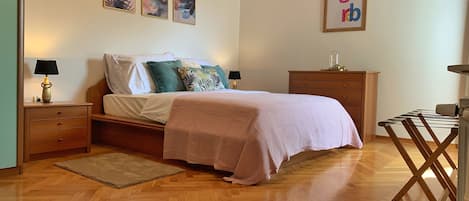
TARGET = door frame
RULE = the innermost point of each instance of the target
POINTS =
(20, 88)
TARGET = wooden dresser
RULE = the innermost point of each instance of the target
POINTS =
(356, 90)
(56, 127)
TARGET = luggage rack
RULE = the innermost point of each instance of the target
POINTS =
(429, 120)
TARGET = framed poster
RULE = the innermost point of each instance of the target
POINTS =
(155, 8)
(344, 15)
(184, 11)
(121, 5)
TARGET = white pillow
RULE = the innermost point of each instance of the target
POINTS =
(201, 62)
(190, 64)
(129, 74)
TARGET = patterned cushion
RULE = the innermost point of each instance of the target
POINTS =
(199, 79)
(221, 73)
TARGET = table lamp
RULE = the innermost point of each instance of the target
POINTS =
(46, 67)
(234, 76)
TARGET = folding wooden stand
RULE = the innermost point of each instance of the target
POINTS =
(411, 121)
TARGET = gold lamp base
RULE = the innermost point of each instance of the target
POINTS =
(46, 90)
(234, 84)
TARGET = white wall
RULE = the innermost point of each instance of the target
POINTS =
(78, 33)
(409, 42)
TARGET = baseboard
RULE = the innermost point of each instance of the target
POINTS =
(55, 154)
(10, 171)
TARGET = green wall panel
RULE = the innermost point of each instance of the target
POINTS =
(8, 85)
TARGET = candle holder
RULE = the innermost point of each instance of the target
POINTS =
(334, 62)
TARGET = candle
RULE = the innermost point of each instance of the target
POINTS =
(337, 58)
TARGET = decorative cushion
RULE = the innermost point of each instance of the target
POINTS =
(221, 73)
(128, 74)
(199, 79)
(166, 77)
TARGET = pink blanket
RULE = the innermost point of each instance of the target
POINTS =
(252, 134)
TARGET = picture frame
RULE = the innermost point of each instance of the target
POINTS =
(344, 15)
(155, 8)
(121, 5)
(184, 11)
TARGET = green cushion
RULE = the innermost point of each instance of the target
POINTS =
(221, 73)
(166, 76)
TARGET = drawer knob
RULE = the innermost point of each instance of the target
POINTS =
(59, 124)
(59, 113)
(60, 140)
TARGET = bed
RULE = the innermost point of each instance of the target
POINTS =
(247, 133)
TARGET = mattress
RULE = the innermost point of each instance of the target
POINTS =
(128, 106)
(154, 106)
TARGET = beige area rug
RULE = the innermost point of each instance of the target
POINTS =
(119, 170)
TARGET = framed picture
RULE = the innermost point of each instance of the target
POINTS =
(184, 11)
(121, 5)
(344, 15)
(155, 8)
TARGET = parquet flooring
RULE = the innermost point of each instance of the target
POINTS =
(376, 172)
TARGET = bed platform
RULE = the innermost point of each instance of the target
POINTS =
(140, 135)
(137, 135)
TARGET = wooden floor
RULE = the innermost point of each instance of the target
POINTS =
(376, 172)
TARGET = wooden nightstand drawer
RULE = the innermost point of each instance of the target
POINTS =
(58, 112)
(72, 138)
(43, 140)
(72, 123)
(50, 128)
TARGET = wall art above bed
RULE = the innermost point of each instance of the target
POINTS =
(184, 11)
(121, 5)
(155, 8)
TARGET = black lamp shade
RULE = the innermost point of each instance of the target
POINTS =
(46, 67)
(234, 75)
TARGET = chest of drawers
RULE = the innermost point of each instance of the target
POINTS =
(56, 127)
(355, 90)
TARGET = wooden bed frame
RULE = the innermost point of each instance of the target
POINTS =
(136, 135)
(142, 136)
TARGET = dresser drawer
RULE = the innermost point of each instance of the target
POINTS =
(326, 76)
(326, 84)
(347, 97)
(58, 112)
(356, 114)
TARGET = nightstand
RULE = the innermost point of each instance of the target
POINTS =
(56, 128)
